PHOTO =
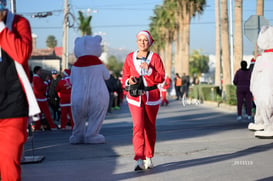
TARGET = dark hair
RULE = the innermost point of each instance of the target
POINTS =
(36, 69)
(177, 75)
(243, 65)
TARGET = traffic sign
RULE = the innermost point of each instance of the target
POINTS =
(253, 26)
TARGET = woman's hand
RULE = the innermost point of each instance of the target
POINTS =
(144, 65)
(132, 80)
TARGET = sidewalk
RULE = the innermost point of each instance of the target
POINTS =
(193, 143)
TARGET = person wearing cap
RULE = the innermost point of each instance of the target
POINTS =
(242, 82)
(63, 89)
(143, 66)
(53, 98)
(39, 88)
(17, 99)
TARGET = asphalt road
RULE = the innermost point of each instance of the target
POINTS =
(196, 142)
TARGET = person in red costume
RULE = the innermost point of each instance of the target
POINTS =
(39, 88)
(64, 92)
(17, 101)
(165, 87)
(143, 66)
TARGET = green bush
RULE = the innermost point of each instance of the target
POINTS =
(205, 92)
(213, 93)
(230, 95)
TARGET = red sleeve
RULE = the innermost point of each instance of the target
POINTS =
(158, 70)
(126, 70)
(18, 42)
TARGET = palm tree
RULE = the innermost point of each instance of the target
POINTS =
(238, 34)
(84, 26)
(162, 27)
(225, 45)
(187, 9)
(51, 41)
(217, 45)
(260, 8)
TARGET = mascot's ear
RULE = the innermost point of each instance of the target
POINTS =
(265, 38)
(98, 38)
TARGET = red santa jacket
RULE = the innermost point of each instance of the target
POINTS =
(39, 88)
(154, 76)
(64, 91)
(16, 41)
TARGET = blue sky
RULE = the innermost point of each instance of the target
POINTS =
(118, 21)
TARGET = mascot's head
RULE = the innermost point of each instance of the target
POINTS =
(88, 45)
(265, 38)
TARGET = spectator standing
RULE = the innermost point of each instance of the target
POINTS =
(16, 96)
(112, 86)
(242, 82)
(63, 90)
(53, 98)
(39, 88)
(185, 85)
(178, 84)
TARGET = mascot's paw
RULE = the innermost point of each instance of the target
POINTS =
(255, 127)
(264, 134)
(98, 139)
(76, 139)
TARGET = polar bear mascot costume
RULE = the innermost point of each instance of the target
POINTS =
(89, 95)
(261, 85)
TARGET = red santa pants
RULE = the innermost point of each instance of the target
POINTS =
(13, 135)
(144, 130)
(164, 100)
(44, 109)
(66, 110)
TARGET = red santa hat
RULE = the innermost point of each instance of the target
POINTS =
(147, 34)
(67, 72)
(252, 61)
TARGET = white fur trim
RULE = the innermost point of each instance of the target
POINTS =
(150, 71)
(138, 62)
(133, 102)
(153, 103)
(127, 82)
(65, 105)
(2, 26)
(41, 100)
(32, 103)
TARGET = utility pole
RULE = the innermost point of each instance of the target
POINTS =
(65, 36)
(13, 6)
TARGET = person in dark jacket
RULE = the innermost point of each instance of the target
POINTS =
(53, 98)
(242, 82)
(112, 86)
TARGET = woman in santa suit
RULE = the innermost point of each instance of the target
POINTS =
(145, 66)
